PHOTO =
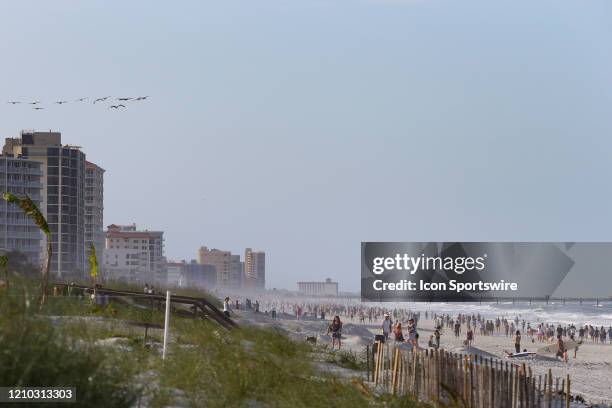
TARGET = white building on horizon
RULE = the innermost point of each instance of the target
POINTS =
(327, 288)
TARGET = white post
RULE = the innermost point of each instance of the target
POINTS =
(166, 324)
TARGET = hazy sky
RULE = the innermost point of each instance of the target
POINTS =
(305, 127)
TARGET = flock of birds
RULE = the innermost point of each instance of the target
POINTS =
(120, 105)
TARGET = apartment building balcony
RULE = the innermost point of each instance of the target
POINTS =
(19, 183)
(18, 221)
(27, 170)
(24, 234)
(24, 248)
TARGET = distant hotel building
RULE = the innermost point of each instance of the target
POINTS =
(63, 195)
(17, 231)
(228, 267)
(254, 269)
(327, 288)
(174, 274)
(191, 275)
(135, 256)
(94, 210)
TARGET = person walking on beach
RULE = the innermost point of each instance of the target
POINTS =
(517, 342)
(335, 328)
(386, 326)
(562, 352)
(226, 307)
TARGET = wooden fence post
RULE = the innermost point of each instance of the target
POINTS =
(394, 372)
(567, 394)
(549, 403)
(368, 362)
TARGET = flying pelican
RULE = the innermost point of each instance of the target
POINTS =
(141, 98)
(116, 106)
(61, 102)
(34, 103)
(101, 99)
(37, 108)
(124, 99)
(13, 102)
(80, 99)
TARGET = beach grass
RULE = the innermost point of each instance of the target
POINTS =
(36, 354)
(100, 351)
(219, 369)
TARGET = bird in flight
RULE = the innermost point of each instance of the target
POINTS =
(116, 106)
(13, 102)
(34, 103)
(101, 99)
(38, 108)
(61, 102)
(124, 99)
(141, 98)
(80, 99)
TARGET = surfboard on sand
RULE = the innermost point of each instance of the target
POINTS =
(554, 347)
(521, 354)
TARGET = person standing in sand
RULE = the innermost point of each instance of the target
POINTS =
(397, 332)
(517, 342)
(335, 328)
(470, 337)
(226, 307)
(386, 326)
(412, 333)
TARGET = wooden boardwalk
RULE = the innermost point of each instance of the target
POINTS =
(207, 309)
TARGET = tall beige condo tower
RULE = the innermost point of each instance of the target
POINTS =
(227, 266)
(254, 269)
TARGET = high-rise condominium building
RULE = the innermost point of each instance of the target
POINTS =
(17, 231)
(227, 266)
(94, 210)
(254, 269)
(63, 195)
(135, 256)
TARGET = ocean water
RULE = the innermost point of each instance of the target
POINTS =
(571, 312)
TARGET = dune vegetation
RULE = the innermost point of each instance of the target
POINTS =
(101, 351)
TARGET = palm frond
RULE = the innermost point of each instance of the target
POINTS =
(30, 209)
(93, 262)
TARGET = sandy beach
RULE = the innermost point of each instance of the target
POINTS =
(590, 372)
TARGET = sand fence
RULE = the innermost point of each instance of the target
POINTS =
(463, 380)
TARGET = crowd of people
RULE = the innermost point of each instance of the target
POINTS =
(400, 325)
